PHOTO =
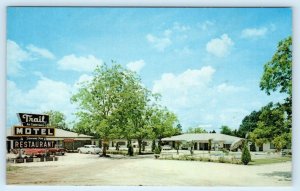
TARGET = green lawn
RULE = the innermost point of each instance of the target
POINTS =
(270, 160)
(10, 168)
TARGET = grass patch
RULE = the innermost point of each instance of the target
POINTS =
(10, 168)
(270, 160)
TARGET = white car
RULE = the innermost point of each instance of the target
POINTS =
(166, 147)
(89, 149)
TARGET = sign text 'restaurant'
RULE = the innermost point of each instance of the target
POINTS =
(33, 144)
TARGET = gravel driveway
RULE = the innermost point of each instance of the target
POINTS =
(85, 169)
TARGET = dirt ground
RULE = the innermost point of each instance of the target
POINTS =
(85, 169)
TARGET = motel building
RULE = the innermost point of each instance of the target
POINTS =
(218, 141)
(62, 138)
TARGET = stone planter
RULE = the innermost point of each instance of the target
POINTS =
(49, 158)
(29, 160)
(19, 160)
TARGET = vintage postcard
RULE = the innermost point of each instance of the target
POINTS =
(141, 96)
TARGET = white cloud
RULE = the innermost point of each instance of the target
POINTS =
(220, 47)
(160, 43)
(47, 94)
(80, 64)
(225, 88)
(254, 32)
(180, 27)
(136, 66)
(180, 92)
(232, 116)
(185, 81)
(184, 51)
(196, 99)
(206, 25)
(40, 52)
(175, 33)
(15, 56)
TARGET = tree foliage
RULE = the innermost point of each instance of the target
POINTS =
(116, 105)
(275, 120)
(272, 125)
(278, 72)
(57, 119)
(163, 124)
(101, 101)
(249, 123)
(196, 130)
(226, 130)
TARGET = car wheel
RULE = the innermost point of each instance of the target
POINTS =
(80, 151)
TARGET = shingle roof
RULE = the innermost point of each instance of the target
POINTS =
(59, 133)
(203, 137)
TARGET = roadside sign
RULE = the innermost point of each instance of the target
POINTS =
(27, 131)
(19, 144)
(28, 119)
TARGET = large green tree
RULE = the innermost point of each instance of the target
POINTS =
(277, 76)
(101, 102)
(278, 72)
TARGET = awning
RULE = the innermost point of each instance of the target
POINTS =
(236, 144)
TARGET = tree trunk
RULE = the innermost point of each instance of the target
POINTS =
(159, 143)
(130, 149)
(104, 147)
(140, 146)
(153, 145)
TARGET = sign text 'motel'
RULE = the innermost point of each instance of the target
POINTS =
(39, 120)
(34, 131)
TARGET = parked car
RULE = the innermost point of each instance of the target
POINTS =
(35, 152)
(123, 148)
(166, 147)
(43, 152)
(89, 149)
(56, 151)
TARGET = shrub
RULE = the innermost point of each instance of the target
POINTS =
(157, 150)
(153, 146)
(246, 157)
(130, 150)
(225, 151)
(221, 159)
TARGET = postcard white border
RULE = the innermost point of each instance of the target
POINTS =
(156, 3)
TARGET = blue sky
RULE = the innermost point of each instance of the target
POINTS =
(205, 62)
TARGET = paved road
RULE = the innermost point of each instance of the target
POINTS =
(84, 169)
